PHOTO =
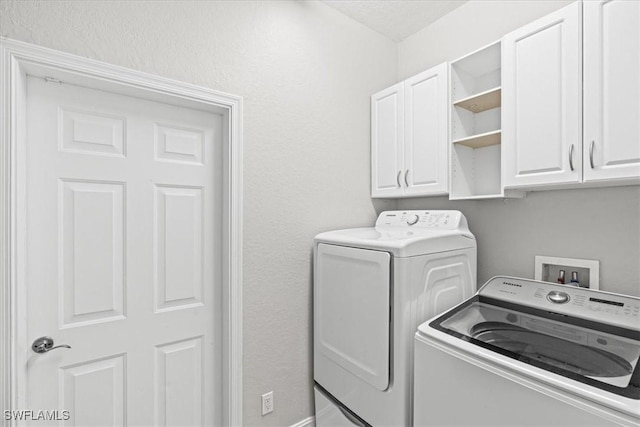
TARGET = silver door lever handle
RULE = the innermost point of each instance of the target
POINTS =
(45, 344)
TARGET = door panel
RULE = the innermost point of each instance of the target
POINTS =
(542, 101)
(611, 90)
(179, 144)
(122, 257)
(92, 241)
(387, 135)
(179, 247)
(426, 132)
(352, 297)
(178, 392)
(92, 133)
(94, 392)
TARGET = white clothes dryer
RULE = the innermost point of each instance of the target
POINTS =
(529, 353)
(372, 288)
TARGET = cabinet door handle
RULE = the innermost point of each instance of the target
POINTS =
(593, 143)
(571, 157)
(405, 177)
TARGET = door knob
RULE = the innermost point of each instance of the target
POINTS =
(45, 344)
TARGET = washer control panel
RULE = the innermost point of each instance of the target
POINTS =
(614, 309)
(447, 220)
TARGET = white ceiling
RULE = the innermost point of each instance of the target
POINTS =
(396, 19)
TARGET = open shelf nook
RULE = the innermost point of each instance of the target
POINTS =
(475, 120)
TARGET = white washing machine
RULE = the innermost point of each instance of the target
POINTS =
(528, 353)
(372, 288)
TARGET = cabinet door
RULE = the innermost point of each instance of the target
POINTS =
(425, 137)
(387, 134)
(611, 90)
(542, 101)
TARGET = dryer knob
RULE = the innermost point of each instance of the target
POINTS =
(413, 219)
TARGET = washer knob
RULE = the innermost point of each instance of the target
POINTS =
(413, 219)
(558, 297)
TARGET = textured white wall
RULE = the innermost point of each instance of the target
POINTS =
(306, 73)
(599, 224)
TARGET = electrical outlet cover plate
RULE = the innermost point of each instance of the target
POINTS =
(547, 268)
(267, 403)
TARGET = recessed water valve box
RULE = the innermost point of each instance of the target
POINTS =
(548, 270)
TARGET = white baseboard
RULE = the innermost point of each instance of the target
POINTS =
(307, 422)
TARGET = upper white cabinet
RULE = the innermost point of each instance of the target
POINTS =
(611, 90)
(558, 130)
(425, 136)
(542, 101)
(387, 141)
(409, 137)
(554, 104)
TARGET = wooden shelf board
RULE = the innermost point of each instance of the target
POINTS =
(481, 140)
(480, 102)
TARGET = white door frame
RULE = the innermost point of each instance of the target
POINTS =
(17, 60)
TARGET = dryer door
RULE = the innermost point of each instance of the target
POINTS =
(351, 315)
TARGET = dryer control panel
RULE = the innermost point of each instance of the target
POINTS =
(446, 220)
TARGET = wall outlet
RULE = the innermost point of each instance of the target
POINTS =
(267, 403)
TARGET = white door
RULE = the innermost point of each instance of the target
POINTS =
(387, 135)
(425, 136)
(542, 101)
(611, 90)
(122, 237)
